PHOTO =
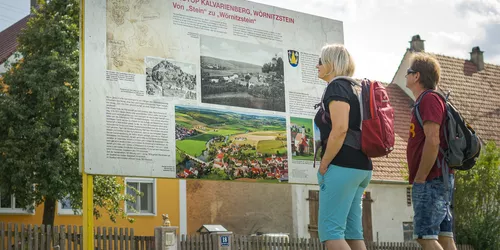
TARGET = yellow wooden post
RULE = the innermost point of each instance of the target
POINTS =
(88, 213)
(87, 180)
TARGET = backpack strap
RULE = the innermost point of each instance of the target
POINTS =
(417, 103)
(353, 138)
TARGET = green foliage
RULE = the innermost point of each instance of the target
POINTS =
(404, 171)
(39, 109)
(477, 201)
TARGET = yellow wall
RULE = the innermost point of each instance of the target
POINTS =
(167, 202)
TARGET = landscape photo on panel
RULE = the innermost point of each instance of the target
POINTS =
(301, 131)
(227, 145)
(169, 78)
(241, 74)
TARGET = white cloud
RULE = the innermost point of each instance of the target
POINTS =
(377, 32)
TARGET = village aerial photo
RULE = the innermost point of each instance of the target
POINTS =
(228, 145)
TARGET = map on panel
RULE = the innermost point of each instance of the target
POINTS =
(130, 34)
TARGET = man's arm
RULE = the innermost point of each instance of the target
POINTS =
(429, 152)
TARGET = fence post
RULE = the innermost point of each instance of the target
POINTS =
(166, 238)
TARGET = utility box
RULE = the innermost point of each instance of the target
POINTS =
(221, 238)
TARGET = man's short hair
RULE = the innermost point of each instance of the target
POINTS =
(429, 69)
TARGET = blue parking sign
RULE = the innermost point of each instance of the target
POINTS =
(224, 241)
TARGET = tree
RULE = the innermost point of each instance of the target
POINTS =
(279, 67)
(477, 201)
(39, 118)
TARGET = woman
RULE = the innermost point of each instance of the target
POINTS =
(344, 171)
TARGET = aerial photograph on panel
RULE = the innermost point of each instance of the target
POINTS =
(226, 145)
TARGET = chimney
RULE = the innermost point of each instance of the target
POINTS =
(416, 44)
(476, 56)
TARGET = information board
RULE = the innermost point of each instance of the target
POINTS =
(202, 89)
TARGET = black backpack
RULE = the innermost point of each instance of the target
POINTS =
(464, 145)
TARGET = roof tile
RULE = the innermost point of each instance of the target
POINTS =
(475, 94)
(8, 38)
(393, 166)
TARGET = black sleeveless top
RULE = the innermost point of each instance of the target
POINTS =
(349, 157)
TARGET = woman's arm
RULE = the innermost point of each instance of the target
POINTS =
(339, 114)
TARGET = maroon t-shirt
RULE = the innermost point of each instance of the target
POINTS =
(432, 108)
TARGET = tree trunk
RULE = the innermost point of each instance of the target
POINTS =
(49, 211)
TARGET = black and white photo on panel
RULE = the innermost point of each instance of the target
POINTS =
(170, 78)
(241, 74)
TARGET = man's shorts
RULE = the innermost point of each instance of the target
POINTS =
(432, 212)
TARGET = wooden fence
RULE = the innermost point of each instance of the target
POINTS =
(29, 237)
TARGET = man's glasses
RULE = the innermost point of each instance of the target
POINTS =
(410, 71)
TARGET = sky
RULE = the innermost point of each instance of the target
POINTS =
(377, 32)
(238, 51)
(12, 11)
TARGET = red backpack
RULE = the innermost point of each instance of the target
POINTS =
(376, 138)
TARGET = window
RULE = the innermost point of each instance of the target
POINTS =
(9, 205)
(64, 207)
(408, 196)
(408, 231)
(144, 204)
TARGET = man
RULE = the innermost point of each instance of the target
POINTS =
(432, 217)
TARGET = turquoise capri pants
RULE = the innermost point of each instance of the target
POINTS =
(340, 208)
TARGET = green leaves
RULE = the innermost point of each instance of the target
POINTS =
(477, 201)
(39, 117)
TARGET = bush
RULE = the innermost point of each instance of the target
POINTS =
(477, 201)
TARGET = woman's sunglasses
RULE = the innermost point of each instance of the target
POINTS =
(319, 62)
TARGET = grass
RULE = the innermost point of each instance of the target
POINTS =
(271, 146)
(178, 157)
(186, 120)
(225, 131)
(273, 128)
(239, 127)
(249, 142)
(204, 118)
(194, 145)
(304, 157)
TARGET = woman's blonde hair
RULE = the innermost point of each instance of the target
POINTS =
(338, 59)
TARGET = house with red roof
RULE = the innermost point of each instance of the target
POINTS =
(8, 42)
(387, 207)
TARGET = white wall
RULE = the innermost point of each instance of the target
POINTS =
(400, 78)
(11, 59)
(389, 210)
(300, 210)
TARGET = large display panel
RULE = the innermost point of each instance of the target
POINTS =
(220, 90)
